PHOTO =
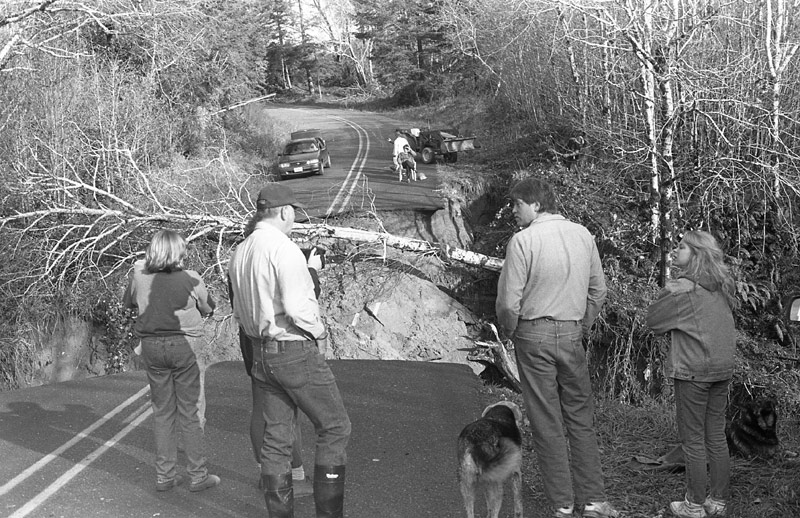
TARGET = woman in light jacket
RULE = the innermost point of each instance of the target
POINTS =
(696, 308)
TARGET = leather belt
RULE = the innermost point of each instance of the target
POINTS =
(548, 319)
(281, 346)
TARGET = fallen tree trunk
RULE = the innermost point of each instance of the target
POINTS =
(401, 243)
(110, 228)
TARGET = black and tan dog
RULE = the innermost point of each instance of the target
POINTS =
(752, 432)
(489, 453)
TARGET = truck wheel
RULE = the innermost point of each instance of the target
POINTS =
(428, 155)
(450, 158)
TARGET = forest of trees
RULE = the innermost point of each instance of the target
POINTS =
(113, 117)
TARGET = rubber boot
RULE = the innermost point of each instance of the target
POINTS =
(279, 495)
(329, 491)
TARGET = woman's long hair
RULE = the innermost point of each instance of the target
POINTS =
(708, 261)
(166, 252)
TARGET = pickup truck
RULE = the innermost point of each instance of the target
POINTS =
(433, 143)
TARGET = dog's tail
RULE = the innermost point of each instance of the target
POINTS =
(514, 408)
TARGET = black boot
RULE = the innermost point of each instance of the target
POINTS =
(329, 491)
(279, 495)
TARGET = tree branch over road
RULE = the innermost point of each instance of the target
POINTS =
(82, 229)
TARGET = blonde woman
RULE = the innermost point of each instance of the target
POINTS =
(171, 304)
(696, 309)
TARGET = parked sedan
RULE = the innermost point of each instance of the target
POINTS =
(306, 153)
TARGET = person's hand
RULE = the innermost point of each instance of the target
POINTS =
(314, 259)
(322, 343)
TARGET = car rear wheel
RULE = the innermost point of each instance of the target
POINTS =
(428, 155)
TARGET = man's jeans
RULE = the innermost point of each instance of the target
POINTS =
(556, 388)
(174, 378)
(700, 412)
(299, 377)
(257, 428)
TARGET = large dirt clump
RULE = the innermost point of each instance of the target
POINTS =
(377, 309)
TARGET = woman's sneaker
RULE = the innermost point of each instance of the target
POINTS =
(714, 507)
(599, 510)
(165, 484)
(208, 482)
(687, 509)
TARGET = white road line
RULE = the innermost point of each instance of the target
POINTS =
(343, 196)
(136, 413)
(80, 466)
(11, 484)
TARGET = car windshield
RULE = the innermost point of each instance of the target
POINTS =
(295, 148)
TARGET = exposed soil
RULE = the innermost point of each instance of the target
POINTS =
(384, 309)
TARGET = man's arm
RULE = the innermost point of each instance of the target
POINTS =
(297, 293)
(510, 287)
(314, 262)
(596, 295)
(244, 342)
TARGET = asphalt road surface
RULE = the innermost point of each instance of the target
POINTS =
(85, 448)
(360, 177)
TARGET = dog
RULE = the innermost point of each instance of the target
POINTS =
(753, 432)
(490, 453)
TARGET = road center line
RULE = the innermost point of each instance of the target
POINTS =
(344, 191)
(11, 484)
(80, 466)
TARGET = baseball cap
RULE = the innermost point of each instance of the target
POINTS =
(277, 195)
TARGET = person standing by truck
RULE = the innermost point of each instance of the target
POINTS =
(408, 166)
(400, 142)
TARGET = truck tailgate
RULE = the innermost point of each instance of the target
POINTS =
(453, 145)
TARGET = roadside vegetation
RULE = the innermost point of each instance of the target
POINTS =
(650, 118)
(635, 413)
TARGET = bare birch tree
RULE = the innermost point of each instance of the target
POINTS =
(337, 24)
(780, 45)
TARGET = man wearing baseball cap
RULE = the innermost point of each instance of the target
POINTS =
(275, 305)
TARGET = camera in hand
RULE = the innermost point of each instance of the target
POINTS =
(320, 252)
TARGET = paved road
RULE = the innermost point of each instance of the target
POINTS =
(361, 178)
(406, 417)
